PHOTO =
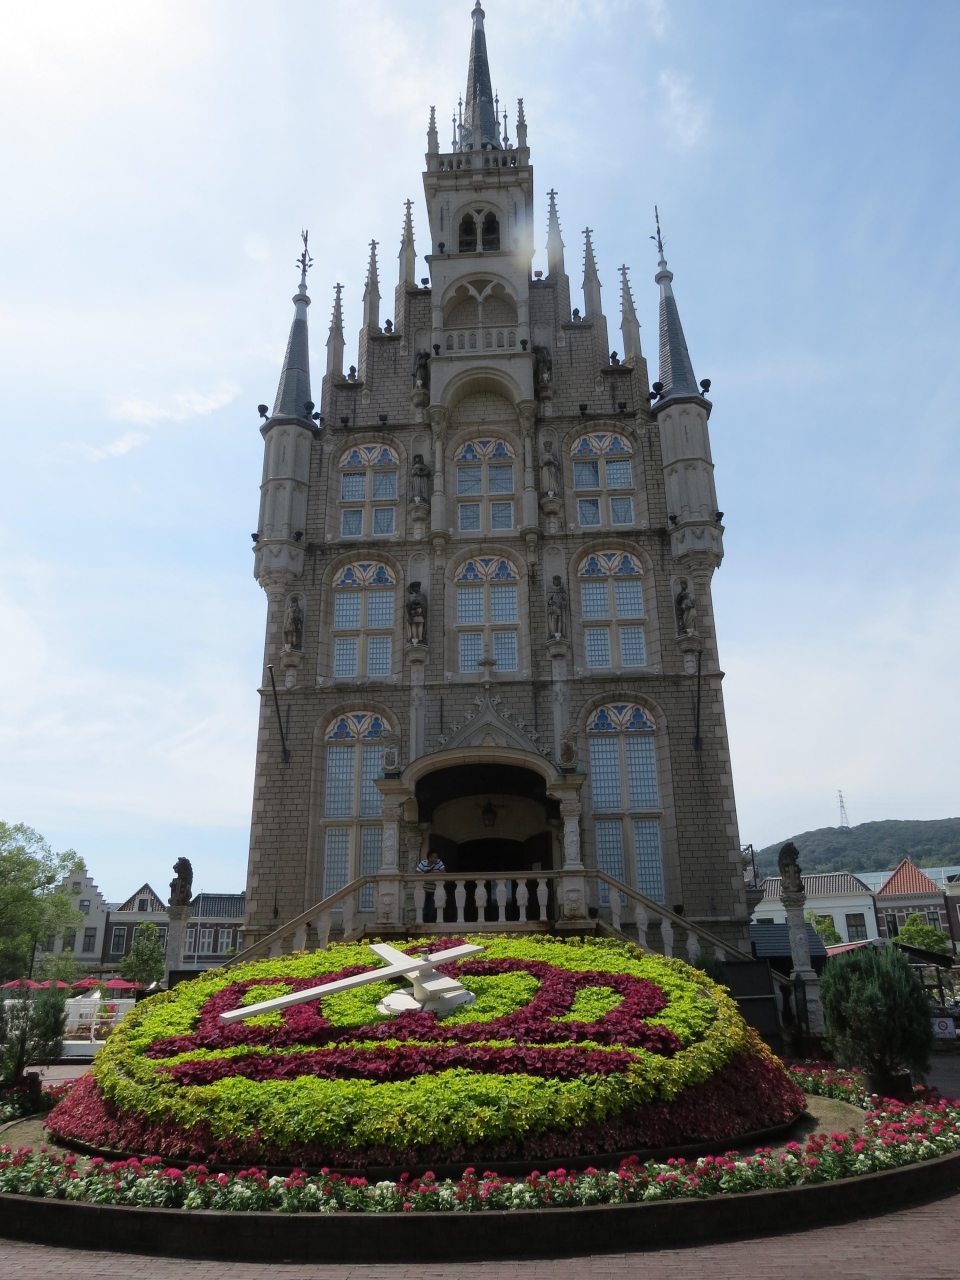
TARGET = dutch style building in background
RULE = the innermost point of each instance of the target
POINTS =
(488, 564)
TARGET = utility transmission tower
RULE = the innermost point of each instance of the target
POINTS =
(844, 820)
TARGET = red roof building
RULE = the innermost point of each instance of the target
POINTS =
(909, 892)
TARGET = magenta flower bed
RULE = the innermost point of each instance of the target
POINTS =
(894, 1135)
(745, 1096)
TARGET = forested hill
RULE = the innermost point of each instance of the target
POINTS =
(873, 846)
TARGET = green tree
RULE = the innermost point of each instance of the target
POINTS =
(917, 933)
(32, 906)
(825, 927)
(60, 967)
(877, 1016)
(146, 960)
(31, 1030)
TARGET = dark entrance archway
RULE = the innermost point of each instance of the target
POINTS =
(492, 823)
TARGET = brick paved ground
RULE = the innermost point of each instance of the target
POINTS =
(918, 1244)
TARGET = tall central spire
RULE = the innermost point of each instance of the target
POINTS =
(480, 125)
(293, 393)
(676, 370)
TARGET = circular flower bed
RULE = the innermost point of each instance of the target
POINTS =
(570, 1049)
(894, 1135)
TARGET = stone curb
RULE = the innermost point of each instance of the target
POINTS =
(447, 1237)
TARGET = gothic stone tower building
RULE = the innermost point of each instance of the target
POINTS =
(488, 561)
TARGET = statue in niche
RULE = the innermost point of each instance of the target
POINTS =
(420, 478)
(686, 609)
(556, 607)
(181, 887)
(421, 369)
(416, 613)
(542, 365)
(549, 471)
(790, 875)
(293, 624)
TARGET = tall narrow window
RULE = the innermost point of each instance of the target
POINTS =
(491, 232)
(488, 613)
(485, 486)
(603, 479)
(468, 234)
(626, 797)
(611, 606)
(363, 620)
(368, 491)
(352, 802)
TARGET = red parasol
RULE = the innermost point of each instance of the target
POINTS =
(121, 984)
(86, 983)
(21, 983)
(61, 986)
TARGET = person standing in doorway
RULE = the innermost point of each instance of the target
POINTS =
(432, 862)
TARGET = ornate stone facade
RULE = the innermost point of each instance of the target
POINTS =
(500, 544)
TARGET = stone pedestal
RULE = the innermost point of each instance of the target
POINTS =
(178, 916)
(803, 970)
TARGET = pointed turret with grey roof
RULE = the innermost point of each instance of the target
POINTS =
(591, 281)
(554, 239)
(371, 292)
(480, 124)
(294, 389)
(408, 252)
(629, 324)
(335, 340)
(676, 370)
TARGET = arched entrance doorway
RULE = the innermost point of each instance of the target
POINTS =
(489, 819)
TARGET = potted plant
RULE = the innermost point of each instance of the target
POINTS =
(877, 1018)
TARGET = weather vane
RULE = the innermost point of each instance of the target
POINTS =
(305, 262)
(658, 237)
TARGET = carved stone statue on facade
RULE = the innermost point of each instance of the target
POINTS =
(556, 607)
(416, 613)
(181, 887)
(549, 471)
(542, 365)
(790, 875)
(421, 369)
(686, 609)
(293, 624)
(420, 479)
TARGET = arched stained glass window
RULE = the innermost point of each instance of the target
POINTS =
(368, 490)
(626, 796)
(485, 486)
(603, 479)
(353, 838)
(611, 608)
(488, 613)
(364, 599)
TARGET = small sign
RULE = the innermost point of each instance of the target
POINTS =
(944, 1028)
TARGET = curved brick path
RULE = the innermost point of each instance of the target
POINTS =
(918, 1244)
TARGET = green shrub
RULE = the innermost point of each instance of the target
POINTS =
(31, 1030)
(877, 1016)
(917, 933)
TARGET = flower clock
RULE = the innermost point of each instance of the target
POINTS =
(566, 1048)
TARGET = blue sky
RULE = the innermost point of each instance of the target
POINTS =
(160, 161)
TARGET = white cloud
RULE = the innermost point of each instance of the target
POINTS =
(681, 113)
(178, 408)
(116, 449)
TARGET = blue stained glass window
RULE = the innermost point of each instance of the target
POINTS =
(336, 860)
(605, 773)
(346, 609)
(649, 858)
(505, 650)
